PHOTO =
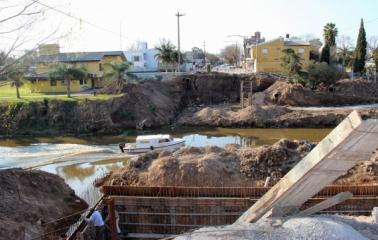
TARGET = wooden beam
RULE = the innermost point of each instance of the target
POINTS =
(112, 218)
(352, 141)
(341, 197)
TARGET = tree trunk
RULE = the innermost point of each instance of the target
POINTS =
(68, 82)
(17, 92)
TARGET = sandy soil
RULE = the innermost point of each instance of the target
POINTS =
(31, 198)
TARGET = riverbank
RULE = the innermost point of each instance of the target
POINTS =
(157, 104)
(267, 116)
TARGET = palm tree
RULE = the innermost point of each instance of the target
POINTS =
(330, 33)
(166, 53)
(118, 68)
(68, 72)
(16, 77)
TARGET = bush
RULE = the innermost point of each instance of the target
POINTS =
(318, 73)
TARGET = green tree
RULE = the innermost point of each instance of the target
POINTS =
(360, 51)
(291, 64)
(118, 69)
(68, 72)
(321, 73)
(325, 54)
(329, 33)
(16, 77)
(166, 53)
(197, 53)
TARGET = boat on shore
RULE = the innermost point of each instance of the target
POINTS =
(148, 143)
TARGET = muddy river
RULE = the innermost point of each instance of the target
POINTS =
(80, 160)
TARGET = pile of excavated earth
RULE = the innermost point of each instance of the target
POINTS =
(205, 96)
(31, 201)
(232, 165)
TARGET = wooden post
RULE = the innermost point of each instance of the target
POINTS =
(338, 198)
(112, 218)
(241, 94)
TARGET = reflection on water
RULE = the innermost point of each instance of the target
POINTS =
(80, 160)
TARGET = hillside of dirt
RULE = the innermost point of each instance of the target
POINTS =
(265, 116)
(153, 104)
(232, 165)
(142, 105)
(31, 198)
(344, 92)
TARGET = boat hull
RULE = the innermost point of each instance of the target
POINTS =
(135, 150)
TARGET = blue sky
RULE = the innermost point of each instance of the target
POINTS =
(205, 20)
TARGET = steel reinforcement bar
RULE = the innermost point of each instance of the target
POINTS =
(241, 192)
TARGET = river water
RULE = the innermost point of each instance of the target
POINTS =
(80, 160)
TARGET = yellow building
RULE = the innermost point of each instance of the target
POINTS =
(266, 56)
(95, 63)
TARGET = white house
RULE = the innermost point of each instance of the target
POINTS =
(143, 59)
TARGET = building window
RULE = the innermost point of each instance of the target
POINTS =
(136, 58)
(301, 50)
(100, 68)
(53, 82)
(81, 81)
(264, 51)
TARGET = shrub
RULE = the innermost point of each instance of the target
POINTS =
(318, 73)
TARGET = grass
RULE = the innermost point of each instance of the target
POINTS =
(8, 95)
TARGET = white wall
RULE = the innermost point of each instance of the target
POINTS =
(147, 61)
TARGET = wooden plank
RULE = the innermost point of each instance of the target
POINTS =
(341, 197)
(353, 140)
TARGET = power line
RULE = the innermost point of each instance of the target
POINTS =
(82, 20)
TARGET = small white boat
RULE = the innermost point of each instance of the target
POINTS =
(152, 142)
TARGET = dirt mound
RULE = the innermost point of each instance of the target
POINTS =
(364, 172)
(344, 92)
(232, 165)
(29, 198)
(265, 116)
(211, 88)
(210, 166)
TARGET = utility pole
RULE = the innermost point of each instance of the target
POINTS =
(178, 15)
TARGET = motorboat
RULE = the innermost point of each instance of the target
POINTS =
(148, 143)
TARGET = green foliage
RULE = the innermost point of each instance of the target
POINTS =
(360, 51)
(325, 55)
(119, 67)
(318, 73)
(291, 64)
(167, 53)
(68, 72)
(65, 71)
(330, 32)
